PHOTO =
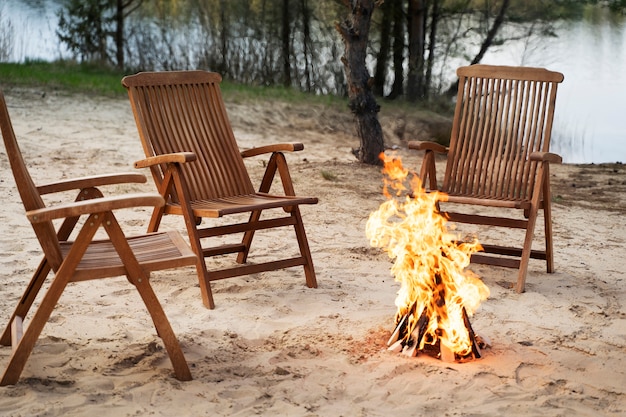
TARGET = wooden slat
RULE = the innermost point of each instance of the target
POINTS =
(244, 227)
(17, 331)
(509, 251)
(256, 268)
(479, 258)
(240, 204)
(486, 220)
(154, 252)
(485, 200)
(223, 249)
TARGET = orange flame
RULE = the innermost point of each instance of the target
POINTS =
(428, 262)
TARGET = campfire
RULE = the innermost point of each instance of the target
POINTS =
(437, 295)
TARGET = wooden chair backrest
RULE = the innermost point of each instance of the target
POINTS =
(29, 194)
(502, 115)
(183, 111)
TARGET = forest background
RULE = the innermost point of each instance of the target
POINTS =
(410, 47)
(294, 43)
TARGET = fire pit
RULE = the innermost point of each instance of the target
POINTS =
(437, 293)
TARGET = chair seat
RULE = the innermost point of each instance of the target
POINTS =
(219, 207)
(489, 201)
(154, 251)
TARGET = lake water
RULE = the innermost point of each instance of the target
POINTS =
(590, 122)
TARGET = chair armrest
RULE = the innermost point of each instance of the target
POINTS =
(91, 181)
(178, 158)
(427, 146)
(546, 157)
(278, 147)
(97, 205)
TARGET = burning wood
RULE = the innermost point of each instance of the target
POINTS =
(437, 294)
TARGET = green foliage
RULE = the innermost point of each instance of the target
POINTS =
(329, 176)
(84, 27)
(616, 5)
(241, 39)
(546, 10)
(65, 75)
(89, 78)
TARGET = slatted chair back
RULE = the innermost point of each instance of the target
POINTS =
(29, 194)
(503, 114)
(190, 117)
(499, 156)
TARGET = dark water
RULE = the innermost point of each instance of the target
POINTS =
(590, 123)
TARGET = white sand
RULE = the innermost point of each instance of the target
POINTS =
(274, 347)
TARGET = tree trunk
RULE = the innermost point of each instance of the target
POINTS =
(119, 35)
(123, 9)
(417, 36)
(382, 58)
(286, 38)
(398, 51)
(306, 44)
(223, 66)
(354, 31)
(432, 41)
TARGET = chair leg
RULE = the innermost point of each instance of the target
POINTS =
(205, 282)
(547, 220)
(280, 164)
(428, 171)
(309, 270)
(164, 329)
(174, 182)
(155, 220)
(24, 347)
(242, 257)
(525, 257)
(141, 281)
(40, 275)
(266, 185)
(204, 279)
(27, 299)
(549, 240)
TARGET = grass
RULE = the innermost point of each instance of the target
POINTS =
(62, 75)
(328, 176)
(90, 79)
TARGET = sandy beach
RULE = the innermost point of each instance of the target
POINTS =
(274, 347)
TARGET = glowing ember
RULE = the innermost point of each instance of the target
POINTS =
(437, 294)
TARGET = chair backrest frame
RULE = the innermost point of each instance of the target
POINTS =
(502, 115)
(183, 111)
(29, 193)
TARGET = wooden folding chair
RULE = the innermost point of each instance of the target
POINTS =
(84, 258)
(199, 170)
(499, 157)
